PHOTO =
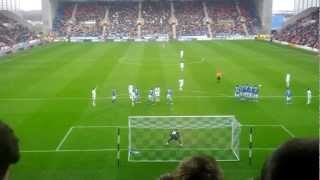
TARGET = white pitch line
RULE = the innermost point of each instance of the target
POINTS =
(287, 131)
(270, 125)
(136, 63)
(64, 139)
(228, 116)
(261, 125)
(89, 150)
(126, 149)
(84, 127)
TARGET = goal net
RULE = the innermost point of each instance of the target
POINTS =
(217, 136)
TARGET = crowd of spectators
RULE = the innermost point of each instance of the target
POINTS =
(190, 16)
(12, 32)
(305, 31)
(156, 18)
(123, 19)
(224, 16)
(88, 19)
(82, 19)
(230, 20)
(249, 17)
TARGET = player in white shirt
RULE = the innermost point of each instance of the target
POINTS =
(94, 96)
(288, 78)
(130, 89)
(182, 66)
(130, 92)
(114, 96)
(157, 94)
(181, 54)
(181, 84)
(133, 98)
(309, 96)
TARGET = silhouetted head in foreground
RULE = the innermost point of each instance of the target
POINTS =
(196, 168)
(297, 159)
(9, 149)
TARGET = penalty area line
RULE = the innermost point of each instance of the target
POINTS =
(287, 131)
(64, 138)
(85, 127)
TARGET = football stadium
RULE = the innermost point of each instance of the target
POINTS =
(159, 89)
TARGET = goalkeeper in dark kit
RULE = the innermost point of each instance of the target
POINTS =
(175, 136)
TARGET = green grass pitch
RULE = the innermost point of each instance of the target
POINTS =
(45, 97)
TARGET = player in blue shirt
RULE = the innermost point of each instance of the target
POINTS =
(151, 96)
(243, 92)
(137, 92)
(248, 90)
(254, 93)
(288, 95)
(237, 91)
(169, 96)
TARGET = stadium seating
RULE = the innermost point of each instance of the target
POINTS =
(190, 17)
(230, 18)
(11, 32)
(304, 31)
(156, 18)
(122, 18)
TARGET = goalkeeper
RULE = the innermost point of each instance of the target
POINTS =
(175, 136)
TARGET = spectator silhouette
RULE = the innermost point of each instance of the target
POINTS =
(9, 150)
(297, 159)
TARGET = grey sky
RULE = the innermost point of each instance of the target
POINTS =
(277, 5)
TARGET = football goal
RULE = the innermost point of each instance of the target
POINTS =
(172, 138)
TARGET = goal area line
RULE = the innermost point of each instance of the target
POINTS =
(115, 149)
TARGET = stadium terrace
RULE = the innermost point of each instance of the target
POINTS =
(158, 19)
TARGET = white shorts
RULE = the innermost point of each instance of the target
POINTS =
(288, 98)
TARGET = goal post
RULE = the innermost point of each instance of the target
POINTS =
(217, 136)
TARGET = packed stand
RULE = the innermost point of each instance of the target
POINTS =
(226, 20)
(190, 16)
(303, 32)
(88, 19)
(156, 18)
(123, 19)
(249, 17)
(81, 19)
(12, 32)
(63, 18)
